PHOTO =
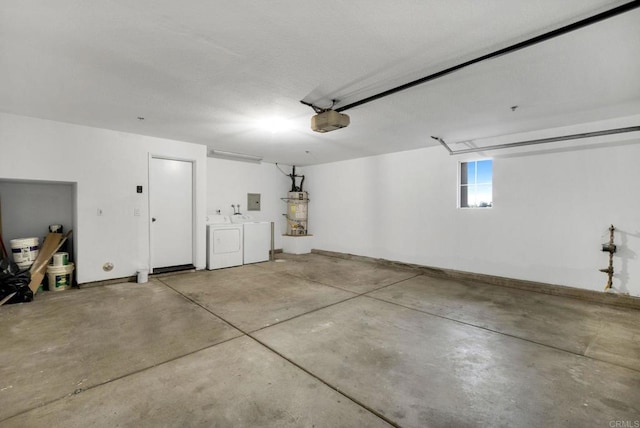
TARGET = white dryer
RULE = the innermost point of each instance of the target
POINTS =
(224, 242)
(257, 238)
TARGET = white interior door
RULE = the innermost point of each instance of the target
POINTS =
(171, 211)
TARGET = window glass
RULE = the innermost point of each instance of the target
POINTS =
(471, 173)
(476, 184)
(484, 171)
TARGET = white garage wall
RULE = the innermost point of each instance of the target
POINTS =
(107, 166)
(552, 208)
(229, 181)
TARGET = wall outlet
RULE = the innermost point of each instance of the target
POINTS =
(136, 212)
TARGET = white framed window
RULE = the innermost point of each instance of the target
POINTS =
(476, 184)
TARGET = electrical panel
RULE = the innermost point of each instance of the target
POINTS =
(253, 201)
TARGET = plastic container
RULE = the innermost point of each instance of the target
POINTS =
(25, 251)
(61, 259)
(143, 276)
(60, 277)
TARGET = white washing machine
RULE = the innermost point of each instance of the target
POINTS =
(257, 238)
(224, 242)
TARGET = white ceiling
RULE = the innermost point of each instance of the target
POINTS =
(214, 73)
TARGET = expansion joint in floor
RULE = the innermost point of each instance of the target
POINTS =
(290, 361)
(502, 333)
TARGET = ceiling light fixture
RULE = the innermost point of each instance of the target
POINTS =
(274, 124)
(234, 156)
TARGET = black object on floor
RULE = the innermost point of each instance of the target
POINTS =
(14, 282)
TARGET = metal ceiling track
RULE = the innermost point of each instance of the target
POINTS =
(515, 47)
(538, 141)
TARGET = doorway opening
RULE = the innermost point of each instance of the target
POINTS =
(28, 208)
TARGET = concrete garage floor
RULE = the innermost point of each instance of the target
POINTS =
(316, 341)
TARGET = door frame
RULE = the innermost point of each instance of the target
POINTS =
(194, 239)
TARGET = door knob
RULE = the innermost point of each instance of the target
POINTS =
(153, 219)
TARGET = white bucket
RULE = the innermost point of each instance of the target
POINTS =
(24, 251)
(60, 277)
(143, 276)
(61, 259)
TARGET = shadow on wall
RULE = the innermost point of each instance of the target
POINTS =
(624, 254)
